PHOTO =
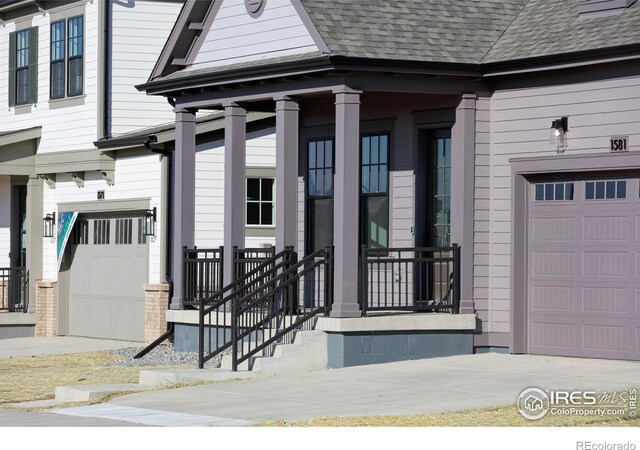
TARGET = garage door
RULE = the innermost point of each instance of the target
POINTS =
(106, 281)
(584, 268)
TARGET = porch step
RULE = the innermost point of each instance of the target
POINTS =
(91, 392)
(307, 353)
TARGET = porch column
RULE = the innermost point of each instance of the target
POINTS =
(286, 173)
(235, 131)
(346, 202)
(34, 236)
(184, 192)
(463, 144)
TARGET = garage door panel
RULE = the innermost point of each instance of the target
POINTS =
(584, 294)
(106, 288)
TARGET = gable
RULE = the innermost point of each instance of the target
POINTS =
(236, 35)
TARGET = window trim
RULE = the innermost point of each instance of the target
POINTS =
(59, 60)
(26, 68)
(67, 95)
(259, 202)
(69, 59)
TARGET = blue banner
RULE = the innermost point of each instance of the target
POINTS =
(65, 225)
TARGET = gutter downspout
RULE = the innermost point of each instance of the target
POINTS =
(106, 130)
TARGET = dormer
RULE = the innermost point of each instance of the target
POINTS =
(603, 7)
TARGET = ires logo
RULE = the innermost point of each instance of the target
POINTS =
(575, 398)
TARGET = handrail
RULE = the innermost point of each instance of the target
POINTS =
(219, 303)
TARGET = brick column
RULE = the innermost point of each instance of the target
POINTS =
(156, 300)
(46, 308)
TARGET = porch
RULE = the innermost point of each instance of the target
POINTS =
(411, 297)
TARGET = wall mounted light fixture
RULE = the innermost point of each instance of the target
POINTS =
(149, 222)
(49, 222)
(559, 127)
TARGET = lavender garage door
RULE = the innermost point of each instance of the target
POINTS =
(584, 268)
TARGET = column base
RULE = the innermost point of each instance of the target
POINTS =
(176, 303)
(467, 307)
(346, 311)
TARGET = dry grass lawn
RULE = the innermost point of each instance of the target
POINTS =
(35, 378)
(501, 416)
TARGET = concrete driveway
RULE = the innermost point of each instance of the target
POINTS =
(34, 346)
(411, 387)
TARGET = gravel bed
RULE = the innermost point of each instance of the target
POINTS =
(162, 355)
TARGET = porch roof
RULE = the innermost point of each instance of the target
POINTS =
(14, 136)
(160, 134)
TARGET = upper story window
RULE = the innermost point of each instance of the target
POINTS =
(67, 57)
(23, 67)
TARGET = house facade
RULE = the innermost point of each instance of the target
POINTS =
(83, 189)
(503, 132)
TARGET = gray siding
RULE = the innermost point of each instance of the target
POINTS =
(521, 123)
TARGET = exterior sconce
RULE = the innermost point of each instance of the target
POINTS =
(49, 222)
(559, 127)
(149, 222)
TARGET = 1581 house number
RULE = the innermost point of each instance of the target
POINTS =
(619, 144)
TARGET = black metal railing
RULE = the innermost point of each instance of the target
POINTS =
(245, 260)
(215, 311)
(410, 279)
(202, 273)
(14, 289)
(269, 313)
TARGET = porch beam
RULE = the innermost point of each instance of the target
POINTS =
(287, 120)
(463, 145)
(346, 203)
(235, 131)
(214, 99)
(184, 193)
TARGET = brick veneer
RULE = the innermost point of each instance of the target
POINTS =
(46, 308)
(156, 302)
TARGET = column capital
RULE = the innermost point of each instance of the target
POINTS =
(285, 103)
(467, 101)
(347, 96)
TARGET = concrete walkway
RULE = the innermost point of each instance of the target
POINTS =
(33, 346)
(411, 387)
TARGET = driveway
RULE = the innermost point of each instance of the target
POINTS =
(33, 346)
(410, 387)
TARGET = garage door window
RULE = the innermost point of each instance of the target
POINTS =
(101, 229)
(605, 190)
(81, 232)
(124, 231)
(546, 192)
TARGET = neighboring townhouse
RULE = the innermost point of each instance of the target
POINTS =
(84, 169)
(479, 158)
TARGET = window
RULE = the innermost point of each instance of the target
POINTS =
(260, 201)
(374, 198)
(75, 59)
(440, 189)
(602, 190)
(57, 59)
(554, 192)
(319, 194)
(23, 67)
(67, 62)
(101, 231)
(142, 238)
(81, 232)
(124, 231)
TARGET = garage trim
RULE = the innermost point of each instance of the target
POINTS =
(521, 170)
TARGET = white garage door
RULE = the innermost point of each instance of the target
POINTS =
(584, 268)
(106, 281)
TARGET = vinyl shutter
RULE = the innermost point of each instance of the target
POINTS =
(12, 69)
(33, 65)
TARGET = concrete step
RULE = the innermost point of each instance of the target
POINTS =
(178, 376)
(90, 392)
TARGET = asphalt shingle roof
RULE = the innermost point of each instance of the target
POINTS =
(419, 30)
(551, 27)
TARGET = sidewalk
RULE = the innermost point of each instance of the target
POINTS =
(410, 387)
